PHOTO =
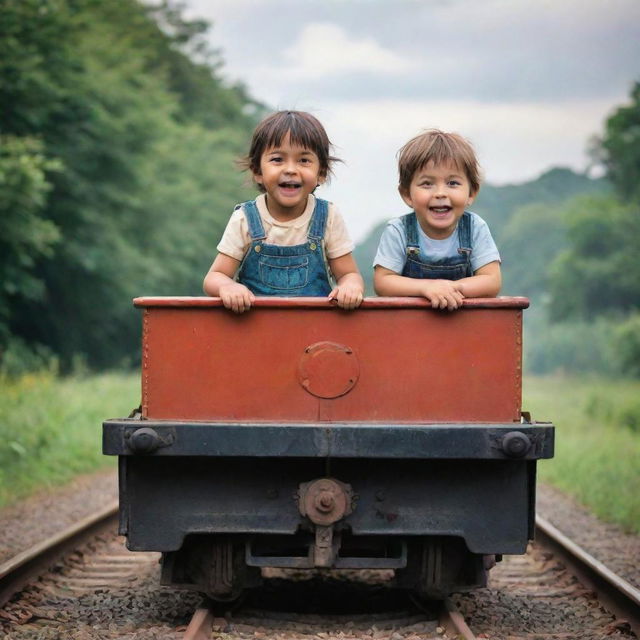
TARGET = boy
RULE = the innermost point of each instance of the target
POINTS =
(439, 250)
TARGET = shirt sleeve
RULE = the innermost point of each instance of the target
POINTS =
(484, 247)
(392, 249)
(337, 241)
(235, 239)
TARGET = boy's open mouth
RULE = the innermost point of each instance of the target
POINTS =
(440, 209)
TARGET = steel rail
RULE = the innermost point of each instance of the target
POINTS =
(17, 571)
(616, 594)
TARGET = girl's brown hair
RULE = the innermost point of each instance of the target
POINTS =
(304, 130)
(440, 148)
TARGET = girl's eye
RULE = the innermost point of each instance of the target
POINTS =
(275, 159)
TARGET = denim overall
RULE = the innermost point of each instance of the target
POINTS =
(273, 270)
(454, 268)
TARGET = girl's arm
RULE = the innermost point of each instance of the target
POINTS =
(219, 282)
(349, 289)
(484, 283)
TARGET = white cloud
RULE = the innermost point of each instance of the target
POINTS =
(324, 48)
(514, 143)
(517, 138)
(527, 82)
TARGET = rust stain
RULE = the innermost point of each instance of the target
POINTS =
(145, 362)
(518, 354)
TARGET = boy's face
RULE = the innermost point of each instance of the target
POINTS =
(288, 173)
(439, 195)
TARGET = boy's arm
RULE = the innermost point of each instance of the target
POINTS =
(484, 283)
(219, 282)
(349, 288)
(443, 294)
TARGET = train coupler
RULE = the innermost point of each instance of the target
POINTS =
(325, 501)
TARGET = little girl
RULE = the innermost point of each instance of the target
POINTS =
(286, 242)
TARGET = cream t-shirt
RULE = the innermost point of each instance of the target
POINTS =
(236, 240)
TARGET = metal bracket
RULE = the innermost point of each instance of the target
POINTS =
(324, 550)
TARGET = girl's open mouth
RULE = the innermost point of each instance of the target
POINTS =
(289, 186)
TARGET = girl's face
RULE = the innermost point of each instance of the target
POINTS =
(439, 195)
(288, 173)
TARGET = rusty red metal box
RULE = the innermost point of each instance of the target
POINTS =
(304, 360)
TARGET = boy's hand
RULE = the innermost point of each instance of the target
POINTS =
(236, 296)
(348, 295)
(443, 294)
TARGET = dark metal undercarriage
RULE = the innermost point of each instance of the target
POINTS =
(434, 502)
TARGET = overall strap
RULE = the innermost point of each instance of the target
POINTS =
(410, 222)
(464, 233)
(318, 220)
(256, 229)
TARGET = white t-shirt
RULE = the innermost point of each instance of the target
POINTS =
(392, 250)
(236, 240)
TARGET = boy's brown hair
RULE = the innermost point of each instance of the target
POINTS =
(304, 130)
(438, 147)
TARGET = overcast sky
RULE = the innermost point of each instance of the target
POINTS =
(528, 82)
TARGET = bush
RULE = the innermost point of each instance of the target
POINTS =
(19, 358)
(626, 346)
(630, 417)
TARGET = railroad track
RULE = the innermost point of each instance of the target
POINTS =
(450, 624)
(17, 571)
(112, 585)
(619, 596)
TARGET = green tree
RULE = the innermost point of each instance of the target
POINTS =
(25, 234)
(530, 240)
(598, 273)
(619, 148)
(138, 142)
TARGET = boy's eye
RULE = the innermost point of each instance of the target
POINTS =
(275, 159)
(455, 183)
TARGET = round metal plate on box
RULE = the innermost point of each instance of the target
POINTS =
(328, 369)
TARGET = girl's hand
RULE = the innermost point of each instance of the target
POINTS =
(443, 294)
(349, 288)
(348, 295)
(236, 296)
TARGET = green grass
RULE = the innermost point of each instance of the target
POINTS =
(51, 428)
(597, 456)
